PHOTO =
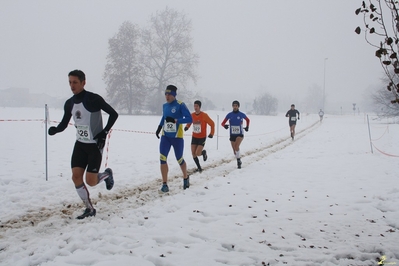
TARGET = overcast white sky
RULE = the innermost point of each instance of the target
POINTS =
(244, 46)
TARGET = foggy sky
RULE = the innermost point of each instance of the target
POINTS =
(245, 47)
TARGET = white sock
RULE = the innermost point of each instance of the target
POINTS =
(238, 155)
(102, 176)
(84, 195)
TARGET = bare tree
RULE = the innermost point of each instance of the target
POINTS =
(265, 104)
(168, 54)
(381, 26)
(381, 102)
(124, 72)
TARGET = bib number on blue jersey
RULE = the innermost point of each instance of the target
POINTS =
(169, 127)
(236, 130)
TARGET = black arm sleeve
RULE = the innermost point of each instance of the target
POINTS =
(67, 116)
(113, 115)
(96, 103)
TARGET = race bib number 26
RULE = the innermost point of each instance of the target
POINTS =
(83, 133)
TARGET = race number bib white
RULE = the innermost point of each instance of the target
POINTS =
(83, 133)
(169, 127)
(293, 118)
(197, 128)
(235, 129)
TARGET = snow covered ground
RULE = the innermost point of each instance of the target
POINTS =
(323, 199)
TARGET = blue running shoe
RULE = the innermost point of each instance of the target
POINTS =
(165, 188)
(109, 181)
(186, 182)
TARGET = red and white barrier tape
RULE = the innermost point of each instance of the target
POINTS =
(387, 154)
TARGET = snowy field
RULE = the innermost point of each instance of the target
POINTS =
(323, 199)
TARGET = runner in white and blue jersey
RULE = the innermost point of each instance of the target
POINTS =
(235, 119)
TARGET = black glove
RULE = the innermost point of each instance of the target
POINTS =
(170, 119)
(185, 128)
(52, 131)
(158, 131)
(100, 137)
(298, 118)
(246, 128)
(210, 136)
(226, 126)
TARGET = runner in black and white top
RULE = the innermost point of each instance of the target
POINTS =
(85, 108)
(321, 114)
(292, 117)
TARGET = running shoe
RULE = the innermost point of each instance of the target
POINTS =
(109, 181)
(87, 213)
(204, 155)
(199, 170)
(165, 188)
(239, 163)
(186, 182)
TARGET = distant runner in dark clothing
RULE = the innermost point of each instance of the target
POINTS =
(85, 108)
(292, 117)
(321, 114)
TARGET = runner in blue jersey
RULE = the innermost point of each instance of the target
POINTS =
(175, 114)
(85, 108)
(235, 119)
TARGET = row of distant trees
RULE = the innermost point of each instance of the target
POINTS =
(141, 62)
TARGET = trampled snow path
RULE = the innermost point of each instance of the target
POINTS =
(140, 195)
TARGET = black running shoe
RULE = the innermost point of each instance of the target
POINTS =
(87, 213)
(239, 163)
(186, 182)
(109, 181)
(204, 155)
(199, 170)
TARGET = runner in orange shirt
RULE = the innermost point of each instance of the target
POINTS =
(200, 122)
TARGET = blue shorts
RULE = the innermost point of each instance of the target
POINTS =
(164, 148)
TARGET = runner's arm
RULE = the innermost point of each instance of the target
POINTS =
(247, 119)
(224, 122)
(210, 122)
(67, 116)
(186, 115)
(113, 115)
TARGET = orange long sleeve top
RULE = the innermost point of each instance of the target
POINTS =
(200, 122)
